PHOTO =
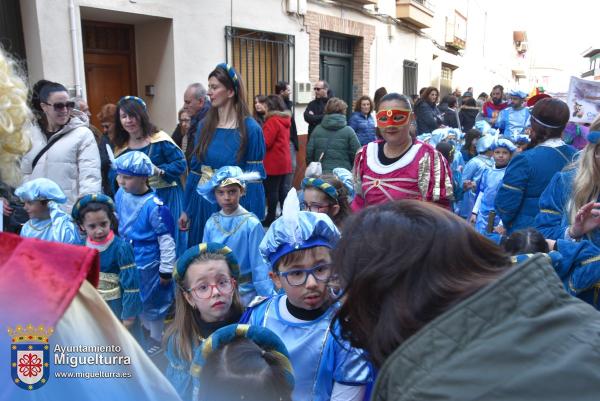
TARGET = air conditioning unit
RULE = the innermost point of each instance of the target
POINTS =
(303, 92)
(296, 7)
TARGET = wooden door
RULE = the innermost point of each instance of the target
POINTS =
(109, 57)
(338, 74)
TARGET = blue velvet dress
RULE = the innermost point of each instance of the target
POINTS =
(167, 156)
(222, 151)
(488, 188)
(473, 171)
(527, 176)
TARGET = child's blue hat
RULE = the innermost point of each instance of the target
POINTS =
(41, 189)
(593, 137)
(224, 176)
(135, 164)
(345, 176)
(296, 230)
(85, 200)
(189, 255)
(504, 143)
(522, 138)
(485, 143)
(266, 339)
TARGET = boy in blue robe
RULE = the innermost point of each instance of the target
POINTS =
(514, 120)
(471, 174)
(147, 224)
(325, 366)
(237, 228)
(491, 180)
(46, 220)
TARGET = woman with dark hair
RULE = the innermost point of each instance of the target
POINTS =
(469, 149)
(426, 111)
(399, 167)
(228, 136)
(278, 162)
(134, 131)
(468, 113)
(454, 319)
(64, 149)
(259, 112)
(529, 173)
(362, 121)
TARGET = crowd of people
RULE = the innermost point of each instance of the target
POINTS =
(433, 250)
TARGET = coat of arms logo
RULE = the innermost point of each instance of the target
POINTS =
(30, 355)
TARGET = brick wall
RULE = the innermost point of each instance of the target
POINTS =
(364, 34)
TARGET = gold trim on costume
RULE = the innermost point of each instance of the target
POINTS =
(424, 175)
(157, 182)
(109, 287)
(511, 187)
(129, 266)
(550, 211)
(234, 230)
(437, 177)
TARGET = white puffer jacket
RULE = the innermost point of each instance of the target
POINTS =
(73, 162)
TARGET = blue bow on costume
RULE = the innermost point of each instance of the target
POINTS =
(41, 189)
(135, 164)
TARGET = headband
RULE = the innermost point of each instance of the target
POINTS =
(537, 120)
(134, 98)
(322, 185)
(261, 336)
(232, 74)
(85, 200)
(192, 253)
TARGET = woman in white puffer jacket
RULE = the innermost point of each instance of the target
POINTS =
(64, 149)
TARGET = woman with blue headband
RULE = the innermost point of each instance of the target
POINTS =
(569, 205)
(134, 131)
(228, 136)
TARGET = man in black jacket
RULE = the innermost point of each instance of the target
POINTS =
(315, 110)
(196, 105)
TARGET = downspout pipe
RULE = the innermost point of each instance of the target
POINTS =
(74, 44)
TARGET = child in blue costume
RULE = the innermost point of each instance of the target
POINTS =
(514, 120)
(119, 282)
(206, 300)
(231, 358)
(228, 136)
(562, 199)
(488, 187)
(577, 264)
(147, 224)
(238, 229)
(471, 174)
(46, 220)
(529, 172)
(134, 131)
(297, 245)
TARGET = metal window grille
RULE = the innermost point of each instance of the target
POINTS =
(261, 58)
(409, 82)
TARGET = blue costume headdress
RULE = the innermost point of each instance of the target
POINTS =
(85, 200)
(134, 163)
(232, 74)
(346, 178)
(485, 143)
(261, 336)
(322, 185)
(41, 189)
(192, 253)
(135, 99)
(517, 93)
(224, 176)
(504, 143)
(296, 230)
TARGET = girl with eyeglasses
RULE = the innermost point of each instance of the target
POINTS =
(298, 246)
(327, 194)
(206, 299)
(64, 149)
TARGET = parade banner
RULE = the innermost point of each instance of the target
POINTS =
(583, 100)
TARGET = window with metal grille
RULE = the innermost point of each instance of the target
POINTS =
(410, 75)
(446, 73)
(261, 58)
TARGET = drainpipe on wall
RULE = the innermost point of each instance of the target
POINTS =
(74, 45)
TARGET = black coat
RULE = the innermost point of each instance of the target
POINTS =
(293, 129)
(317, 106)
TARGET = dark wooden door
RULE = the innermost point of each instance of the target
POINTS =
(109, 57)
(337, 72)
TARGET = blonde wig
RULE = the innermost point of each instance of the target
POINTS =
(15, 118)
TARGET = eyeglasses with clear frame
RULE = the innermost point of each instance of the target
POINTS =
(315, 207)
(298, 277)
(225, 286)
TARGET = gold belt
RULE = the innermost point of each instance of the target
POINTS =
(109, 287)
(157, 182)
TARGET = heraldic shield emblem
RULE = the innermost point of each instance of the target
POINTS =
(30, 356)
